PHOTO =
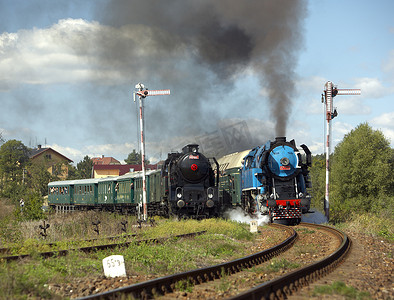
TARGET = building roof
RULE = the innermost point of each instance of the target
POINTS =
(123, 169)
(38, 151)
(233, 160)
(105, 161)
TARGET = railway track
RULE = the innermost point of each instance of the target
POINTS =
(8, 251)
(96, 247)
(277, 288)
(163, 285)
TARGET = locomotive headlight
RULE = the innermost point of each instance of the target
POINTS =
(210, 193)
(179, 192)
(272, 196)
(300, 195)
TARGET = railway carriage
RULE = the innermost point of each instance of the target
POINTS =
(106, 197)
(230, 178)
(85, 193)
(61, 193)
(125, 190)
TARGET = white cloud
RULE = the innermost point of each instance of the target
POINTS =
(311, 85)
(385, 123)
(371, 88)
(351, 106)
(316, 148)
(69, 51)
(341, 128)
(385, 120)
(314, 107)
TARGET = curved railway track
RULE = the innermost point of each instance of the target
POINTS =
(277, 288)
(163, 285)
(287, 284)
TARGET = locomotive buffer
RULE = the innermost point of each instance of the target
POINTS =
(142, 93)
(330, 91)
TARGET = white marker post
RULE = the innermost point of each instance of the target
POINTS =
(143, 93)
(253, 226)
(114, 266)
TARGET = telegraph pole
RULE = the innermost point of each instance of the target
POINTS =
(330, 91)
(142, 93)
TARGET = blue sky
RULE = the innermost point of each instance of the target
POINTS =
(64, 86)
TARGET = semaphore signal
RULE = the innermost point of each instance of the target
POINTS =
(142, 93)
(330, 91)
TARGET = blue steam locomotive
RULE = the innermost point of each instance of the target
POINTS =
(272, 178)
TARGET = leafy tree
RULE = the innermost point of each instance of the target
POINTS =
(14, 159)
(32, 208)
(134, 158)
(362, 179)
(38, 178)
(85, 167)
(73, 173)
(318, 178)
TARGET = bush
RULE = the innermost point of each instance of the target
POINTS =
(32, 209)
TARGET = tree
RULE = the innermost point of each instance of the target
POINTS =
(73, 173)
(38, 178)
(318, 177)
(362, 179)
(14, 159)
(85, 167)
(2, 140)
(134, 158)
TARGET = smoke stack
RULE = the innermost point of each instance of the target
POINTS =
(39, 146)
(280, 139)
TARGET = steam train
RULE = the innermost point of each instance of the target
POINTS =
(186, 186)
(272, 178)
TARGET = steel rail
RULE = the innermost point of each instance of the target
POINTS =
(285, 285)
(163, 285)
(9, 250)
(99, 247)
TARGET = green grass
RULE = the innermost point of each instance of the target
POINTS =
(377, 225)
(223, 241)
(281, 264)
(340, 288)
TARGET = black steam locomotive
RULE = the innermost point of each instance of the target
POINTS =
(190, 186)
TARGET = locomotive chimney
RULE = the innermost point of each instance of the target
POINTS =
(280, 139)
(190, 148)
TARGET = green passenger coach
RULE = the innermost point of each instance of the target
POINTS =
(85, 192)
(60, 192)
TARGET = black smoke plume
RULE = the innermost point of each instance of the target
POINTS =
(198, 48)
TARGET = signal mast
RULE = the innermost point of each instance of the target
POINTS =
(330, 91)
(142, 93)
